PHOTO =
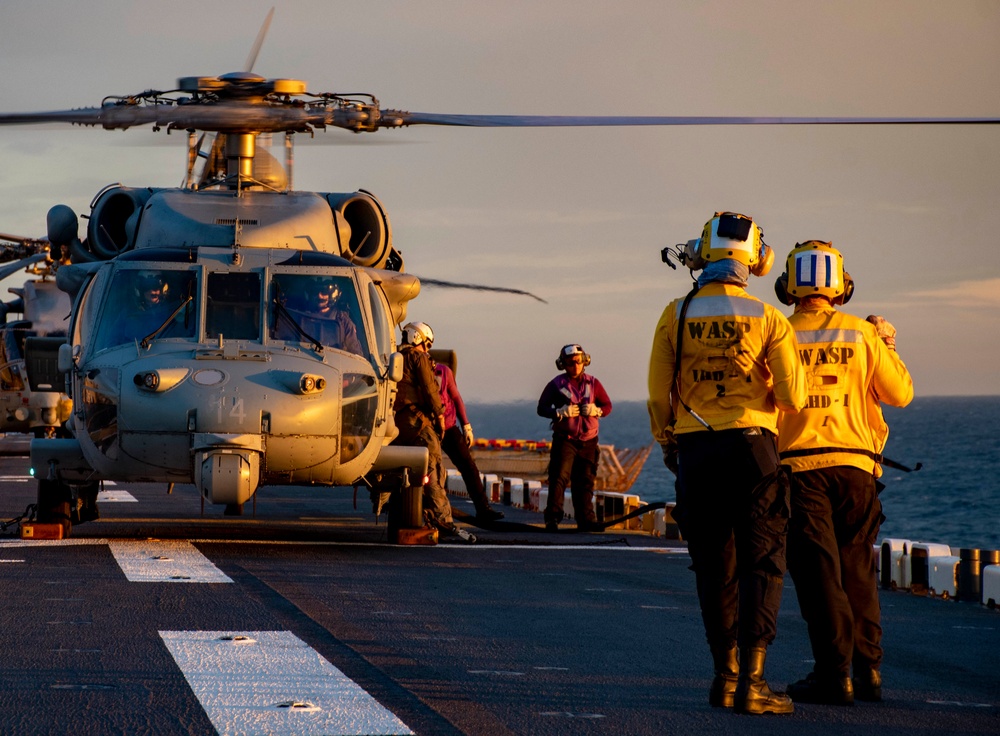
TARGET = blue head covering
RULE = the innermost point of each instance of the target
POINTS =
(727, 271)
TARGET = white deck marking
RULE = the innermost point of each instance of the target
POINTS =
(164, 561)
(271, 682)
(116, 497)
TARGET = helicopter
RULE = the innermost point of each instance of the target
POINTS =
(40, 410)
(193, 354)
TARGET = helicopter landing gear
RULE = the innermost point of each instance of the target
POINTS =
(233, 509)
(60, 503)
(54, 500)
(86, 503)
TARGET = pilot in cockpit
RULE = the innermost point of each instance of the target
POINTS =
(321, 315)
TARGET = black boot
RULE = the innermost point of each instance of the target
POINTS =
(752, 693)
(868, 685)
(727, 670)
(832, 690)
(488, 514)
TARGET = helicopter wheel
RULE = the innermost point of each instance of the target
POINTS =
(54, 500)
(233, 509)
(86, 506)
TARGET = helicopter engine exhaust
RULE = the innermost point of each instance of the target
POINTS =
(113, 220)
(370, 241)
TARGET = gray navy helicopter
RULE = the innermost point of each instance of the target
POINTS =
(234, 332)
(40, 410)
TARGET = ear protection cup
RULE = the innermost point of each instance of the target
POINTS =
(781, 290)
(764, 262)
(848, 289)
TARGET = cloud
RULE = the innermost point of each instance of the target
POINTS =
(965, 294)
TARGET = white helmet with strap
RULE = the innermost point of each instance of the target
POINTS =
(417, 333)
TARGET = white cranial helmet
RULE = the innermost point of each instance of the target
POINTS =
(416, 333)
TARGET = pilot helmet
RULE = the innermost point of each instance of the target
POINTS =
(147, 281)
(417, 333)
(326, 286)
(814, 268)
(569, 351)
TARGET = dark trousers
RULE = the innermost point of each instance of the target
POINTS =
(572, 463)
(732, 507)
(454, 445)
(836, 515)
(416, 431)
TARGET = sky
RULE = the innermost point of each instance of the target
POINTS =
(578, 216)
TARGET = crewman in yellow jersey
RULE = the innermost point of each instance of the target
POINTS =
(722, 364)
(833, 448)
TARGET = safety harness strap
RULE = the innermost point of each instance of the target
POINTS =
(876, 456)
(675, 384)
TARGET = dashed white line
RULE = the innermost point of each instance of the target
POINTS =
(271, 682)
(164, 561)
(116, 497)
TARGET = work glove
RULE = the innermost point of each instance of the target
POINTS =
(670, 456)
(591, 410)
(439, 420)
(469, 438)
(565, 412)
(885, 330)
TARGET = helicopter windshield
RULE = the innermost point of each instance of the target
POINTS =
(322, 309)
(144, 302)
(233, 307)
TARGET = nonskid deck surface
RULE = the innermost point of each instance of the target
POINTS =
(307, 622)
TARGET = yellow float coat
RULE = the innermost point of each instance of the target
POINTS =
(850, 372)
(739, 364)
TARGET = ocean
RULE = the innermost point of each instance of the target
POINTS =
(953, 499)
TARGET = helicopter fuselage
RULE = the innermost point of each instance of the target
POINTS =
(231, 343)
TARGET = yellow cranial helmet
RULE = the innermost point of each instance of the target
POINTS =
(816, 268)
(735, 236)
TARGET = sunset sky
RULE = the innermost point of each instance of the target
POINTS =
(578, 216)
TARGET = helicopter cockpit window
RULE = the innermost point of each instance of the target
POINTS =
(383, 336)
(147, 304)
(306, 308)
(233, 307)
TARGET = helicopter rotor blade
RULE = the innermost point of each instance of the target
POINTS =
(11, 268)
(551, 121)
(252, 58)
(479, 287)
(235, 115)
(21, 240)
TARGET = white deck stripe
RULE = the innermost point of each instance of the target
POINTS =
(242, 684)
(116, 497)
(164, 561)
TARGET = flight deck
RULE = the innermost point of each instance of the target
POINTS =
(299, 618)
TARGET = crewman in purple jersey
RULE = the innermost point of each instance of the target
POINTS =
(574, 401)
